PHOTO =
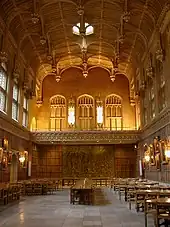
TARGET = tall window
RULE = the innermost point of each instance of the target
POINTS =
(58, 113)
(15, 102)
(86, 112)
(113, 108)
(161, 85)
(145, 108)
(3, 88)
(25, 112)
(151, 98)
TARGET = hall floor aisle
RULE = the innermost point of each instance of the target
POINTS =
(56, 211)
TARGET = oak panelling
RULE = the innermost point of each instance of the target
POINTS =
(47, 162)
(83, 161)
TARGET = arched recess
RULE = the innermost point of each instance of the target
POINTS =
(58, 113)
(113, 112)
(85, 112)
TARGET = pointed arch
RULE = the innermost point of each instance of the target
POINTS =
(86, 112)
(58, 113)
(113, 112)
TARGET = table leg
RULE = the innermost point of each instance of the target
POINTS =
(125, 194)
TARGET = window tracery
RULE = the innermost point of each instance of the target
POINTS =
(25, 112)
(58, 113)
(3, 87)
(152, 98)
(15, 102)
(113, 108)
(86, 112)
(161, 85)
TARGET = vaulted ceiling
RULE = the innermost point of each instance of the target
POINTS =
(56, 19)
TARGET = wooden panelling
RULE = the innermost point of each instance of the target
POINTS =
(47, 162)
(16, 144)
(125, 161)
(84, 161)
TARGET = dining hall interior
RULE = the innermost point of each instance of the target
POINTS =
(84, 113)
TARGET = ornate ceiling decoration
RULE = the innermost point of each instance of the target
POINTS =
(43, 30)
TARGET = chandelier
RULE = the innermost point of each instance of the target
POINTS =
(87, 30)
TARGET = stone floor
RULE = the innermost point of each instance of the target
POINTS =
(56, 211)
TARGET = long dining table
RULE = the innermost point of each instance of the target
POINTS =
(82, 192)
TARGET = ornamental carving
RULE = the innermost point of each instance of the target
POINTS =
(88, 161)
(81, 137)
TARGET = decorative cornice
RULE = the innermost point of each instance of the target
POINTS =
(86, 137)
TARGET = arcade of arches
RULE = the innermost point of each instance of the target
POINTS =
(78, 99)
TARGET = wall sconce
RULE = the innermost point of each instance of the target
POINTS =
(146, 153)
(5, 144)
(23, 158)
(167, 152)
(4, 161)
(147, 158)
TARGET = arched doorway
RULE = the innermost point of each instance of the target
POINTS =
(14, 169)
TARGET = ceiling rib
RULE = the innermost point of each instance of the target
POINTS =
(26, 31)
(65, 33)
(102, 14)
(136, 34)
(101, 28)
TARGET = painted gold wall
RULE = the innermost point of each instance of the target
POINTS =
(74, 84)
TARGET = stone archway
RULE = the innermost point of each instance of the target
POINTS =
(14, 169)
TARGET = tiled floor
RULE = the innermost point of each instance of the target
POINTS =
(56, 211)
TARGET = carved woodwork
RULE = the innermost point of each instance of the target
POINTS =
(88, 161)
(71, 161)
(85, 137)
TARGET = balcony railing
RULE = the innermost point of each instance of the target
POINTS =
(95, 136)
(71, 129)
